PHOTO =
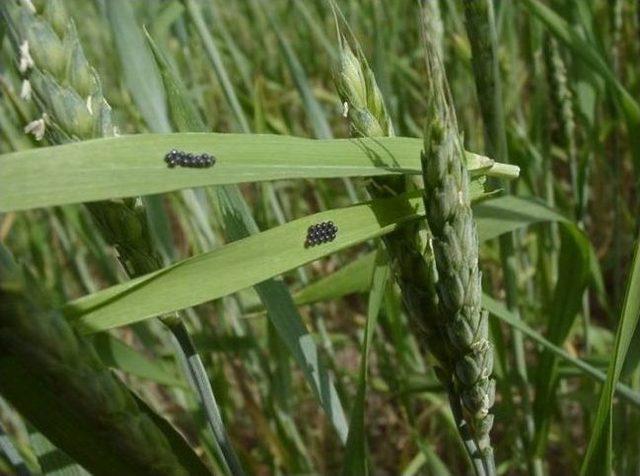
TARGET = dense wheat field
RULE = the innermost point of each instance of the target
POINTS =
(296, 237)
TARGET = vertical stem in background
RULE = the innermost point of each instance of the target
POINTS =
(480, 25)
(218, 66)
(617, 164)
(199, 379)
(562, 100)
(544, 83)
(626, 432)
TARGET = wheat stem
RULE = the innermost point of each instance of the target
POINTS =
(480, 25)
(457, 338)
(457, 316)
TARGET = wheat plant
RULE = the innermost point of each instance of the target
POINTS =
(68, 93)
(320, 278)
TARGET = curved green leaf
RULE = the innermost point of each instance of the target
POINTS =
(573, 279)
(501, 311)
(240, 264)
(355, 459)
(350, 279)
(134, 165)
(505, 214)
(116, 354)
(598, 458)
(138, 67)
(254, 259)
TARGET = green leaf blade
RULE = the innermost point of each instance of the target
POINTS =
(134, 165)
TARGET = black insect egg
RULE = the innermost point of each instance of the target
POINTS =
(171, 157)
(209, 160)
(323, 232)
(187, 159)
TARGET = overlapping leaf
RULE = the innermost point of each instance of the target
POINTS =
(134, 165)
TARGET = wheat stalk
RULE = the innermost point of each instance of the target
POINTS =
(456, 334)
(480, 26)
(457, 319)
(367, 116)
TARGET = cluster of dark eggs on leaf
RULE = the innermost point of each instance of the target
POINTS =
(187, 159)
(321, 233)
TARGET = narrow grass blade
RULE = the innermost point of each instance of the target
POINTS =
(52, 460)
(315, 113)
(312, 22)
(218, 66)
(500, 311)
(355, 462)
(574, 276)
(116, 354)
(140, 72)
(184, 114)
(244, 262)
(599, 455)
(339, 283)
(166, 17)
(134, 165)
(429, 459)
(589, 54)
(499, 216)
(199, 380)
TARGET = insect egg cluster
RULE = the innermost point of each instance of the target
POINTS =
(187, 159)
(321, 233)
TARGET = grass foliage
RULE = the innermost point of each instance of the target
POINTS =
(172, 321)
